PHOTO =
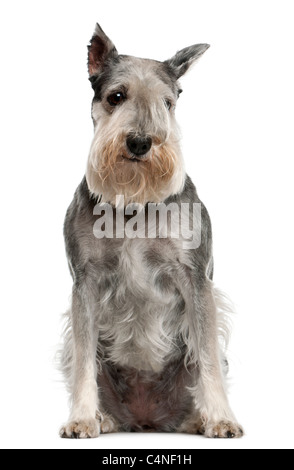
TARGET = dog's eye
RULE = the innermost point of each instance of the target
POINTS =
(168, 104)
(116, 98)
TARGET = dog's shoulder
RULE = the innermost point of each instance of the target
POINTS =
(81, 206)
(203, 254)
(78, 224)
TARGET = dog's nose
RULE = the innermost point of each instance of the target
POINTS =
(139, 145)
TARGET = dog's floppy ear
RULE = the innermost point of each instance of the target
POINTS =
(101, 49)
(185, 58)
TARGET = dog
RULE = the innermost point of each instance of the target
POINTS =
(144, 342)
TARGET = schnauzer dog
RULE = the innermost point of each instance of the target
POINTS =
(143, 348)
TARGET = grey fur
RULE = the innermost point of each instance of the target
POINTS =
(142, 348)
(185, 58)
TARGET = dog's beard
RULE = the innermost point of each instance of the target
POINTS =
(111, 172)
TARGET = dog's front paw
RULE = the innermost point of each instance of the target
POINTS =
(223, 430)
(82, 429)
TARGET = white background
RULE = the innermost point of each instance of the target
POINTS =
(236, 115)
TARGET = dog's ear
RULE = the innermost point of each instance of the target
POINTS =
(101, 49)
(185, 58)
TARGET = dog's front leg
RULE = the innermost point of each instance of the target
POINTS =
(84, 417)
(210, 395)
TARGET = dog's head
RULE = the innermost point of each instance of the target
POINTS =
(135, 151)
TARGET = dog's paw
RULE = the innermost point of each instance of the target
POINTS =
(223, 430)
(83, 429)
(108, 424)
(193, 425)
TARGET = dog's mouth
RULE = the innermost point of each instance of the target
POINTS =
(134, 158)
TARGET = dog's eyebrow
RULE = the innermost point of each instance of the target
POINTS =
(180, 91)
(118, 88)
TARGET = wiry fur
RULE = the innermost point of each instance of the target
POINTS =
(142, 345)
(110, 171)
(157, 342)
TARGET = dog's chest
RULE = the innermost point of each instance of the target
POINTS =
(140, 309)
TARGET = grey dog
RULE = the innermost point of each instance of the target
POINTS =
(143, 347)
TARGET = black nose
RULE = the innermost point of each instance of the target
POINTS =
(139, 145)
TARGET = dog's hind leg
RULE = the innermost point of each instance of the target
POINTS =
(84, 421)
(108, 424)
(209, 393)
(192, 425)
